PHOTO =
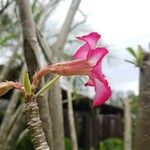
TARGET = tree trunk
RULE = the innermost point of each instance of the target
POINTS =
(55, 97)
(55, 102)
(56, 111)
(142, 139)
(72, 122)
(127, 126)
(34, 124)
(31, 51)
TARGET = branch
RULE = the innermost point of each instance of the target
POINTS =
(31, 50)
(6, 6)
(55, 97)
(44, 46)
(31, 47)
(48, 9)
(65, 29)
(81, 22)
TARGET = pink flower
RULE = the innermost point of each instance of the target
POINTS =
(87, 61)
(94, 58)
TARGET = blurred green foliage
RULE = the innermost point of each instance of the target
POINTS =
(68, 145)
(25, 143)
(111, 144)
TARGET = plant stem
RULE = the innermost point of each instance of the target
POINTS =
(47, 85)
(31, 51)
(34, 124)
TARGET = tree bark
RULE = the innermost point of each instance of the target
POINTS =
(31, 51)
(55, 97)
(127, 126)
(34, 124)
(56, 111)
(44, 46)
(142, 139)
(55, 101)
(72, 122)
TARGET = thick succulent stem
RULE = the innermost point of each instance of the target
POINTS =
(34, 124)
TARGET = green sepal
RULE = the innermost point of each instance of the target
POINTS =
(27, 83)
(47, 85)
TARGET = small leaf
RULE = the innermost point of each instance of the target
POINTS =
(132, 52)
(131, 62)
(139, 55)
(27, 83)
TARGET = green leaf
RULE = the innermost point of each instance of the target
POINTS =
(139, 55)
(132, 52)
(27, 83)
(131, 62)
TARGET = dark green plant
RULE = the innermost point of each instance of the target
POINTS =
(111, 144)
(137, 56)
(68, 145)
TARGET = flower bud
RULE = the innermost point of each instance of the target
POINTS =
(6, 86)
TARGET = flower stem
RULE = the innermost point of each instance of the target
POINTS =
(34, 124)
(47, 85)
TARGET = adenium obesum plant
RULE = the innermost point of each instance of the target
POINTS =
(87, 60)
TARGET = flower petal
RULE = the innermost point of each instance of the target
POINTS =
(82, 52)
(96, 55)
(91, 39)
(89, 82)
(103, 92)
(97, 72)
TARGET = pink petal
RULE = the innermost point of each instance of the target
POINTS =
(103, 92)
(96, 55)
(89, 82)
(95, 59)
(91, 39)
(96, 72)
(82, 52)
